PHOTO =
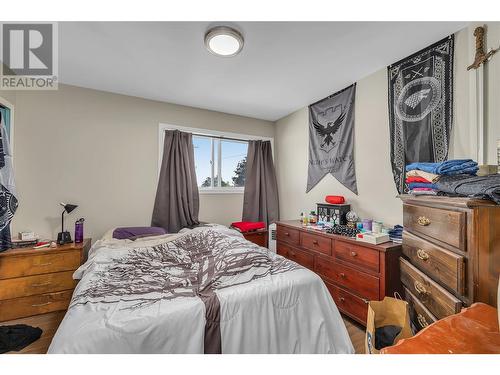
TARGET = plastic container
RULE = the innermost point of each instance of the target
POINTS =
(376, 227)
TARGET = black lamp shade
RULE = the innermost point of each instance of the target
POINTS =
(70, 207)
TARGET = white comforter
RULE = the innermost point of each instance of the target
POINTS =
(288, 312)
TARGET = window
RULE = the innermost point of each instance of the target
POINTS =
(220, 163)
(219, 158)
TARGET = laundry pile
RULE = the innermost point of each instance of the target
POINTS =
(452, 178)
(396, 234)
(422, 178)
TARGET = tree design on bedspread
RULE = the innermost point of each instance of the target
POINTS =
(193, 265)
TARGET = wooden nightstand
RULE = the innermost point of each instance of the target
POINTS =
(38, 281)
(258, 237)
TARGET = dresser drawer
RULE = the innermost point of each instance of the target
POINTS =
(38, 284)
(299, 256)
(34, 305)
(444, 225)
(359, 282)
(359, 255)
(433, 296)
(316, 243)
(349, 303)
(441, 265)
(18, 266)
(289, 235)
(418, 312)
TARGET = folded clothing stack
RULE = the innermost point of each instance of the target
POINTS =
(484, 187)
(422, 177)
(396, 234)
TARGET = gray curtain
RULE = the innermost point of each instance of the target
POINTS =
(177, 198)
(260, 200)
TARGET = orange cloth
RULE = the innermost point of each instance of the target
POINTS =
(472, 331)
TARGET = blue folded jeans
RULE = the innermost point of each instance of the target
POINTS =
(449, 167)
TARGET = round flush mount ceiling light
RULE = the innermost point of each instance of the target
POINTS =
(223, 41)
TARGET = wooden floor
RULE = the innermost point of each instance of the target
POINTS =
(356, 333)
(49, 323)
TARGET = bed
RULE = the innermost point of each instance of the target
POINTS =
(203, 290)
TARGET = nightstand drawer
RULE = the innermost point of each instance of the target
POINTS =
(34, 305)
(38, 284)
(257, 237)
(18, 266)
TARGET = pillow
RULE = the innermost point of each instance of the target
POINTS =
(132, 233)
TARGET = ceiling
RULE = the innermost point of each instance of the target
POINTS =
(283, 66)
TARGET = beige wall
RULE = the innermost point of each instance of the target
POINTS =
(493, 93)
(376, 188)
(100, 151)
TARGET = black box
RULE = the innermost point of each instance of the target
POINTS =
(337, 212)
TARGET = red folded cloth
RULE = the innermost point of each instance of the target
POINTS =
(416, 179)
(335, 199)
(248, 226)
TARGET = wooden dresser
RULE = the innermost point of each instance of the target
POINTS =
(451, 250)
(354, 272)
(38, 281)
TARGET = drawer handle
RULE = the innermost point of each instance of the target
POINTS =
(315, 242)
(342, 275)
(354, 254)
(44, 264)
(420, 288)
(422, 321)
(287, 234)
(41, 304)
(342, 299)
(423, 221)
(422, 254)
(41, 284)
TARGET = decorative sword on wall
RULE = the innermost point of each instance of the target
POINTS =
(481, 56)
(478, 111)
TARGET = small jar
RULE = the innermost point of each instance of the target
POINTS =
(367, 224)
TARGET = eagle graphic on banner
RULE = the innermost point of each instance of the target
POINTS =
(329, 131)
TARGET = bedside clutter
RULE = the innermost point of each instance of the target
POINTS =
(354, 272)
(38, 281)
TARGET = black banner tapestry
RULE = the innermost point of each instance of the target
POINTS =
(421, 107)
(8, 200)
(331, 139)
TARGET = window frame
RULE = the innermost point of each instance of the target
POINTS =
(210, 134)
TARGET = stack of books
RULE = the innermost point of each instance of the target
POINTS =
(23, 243)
